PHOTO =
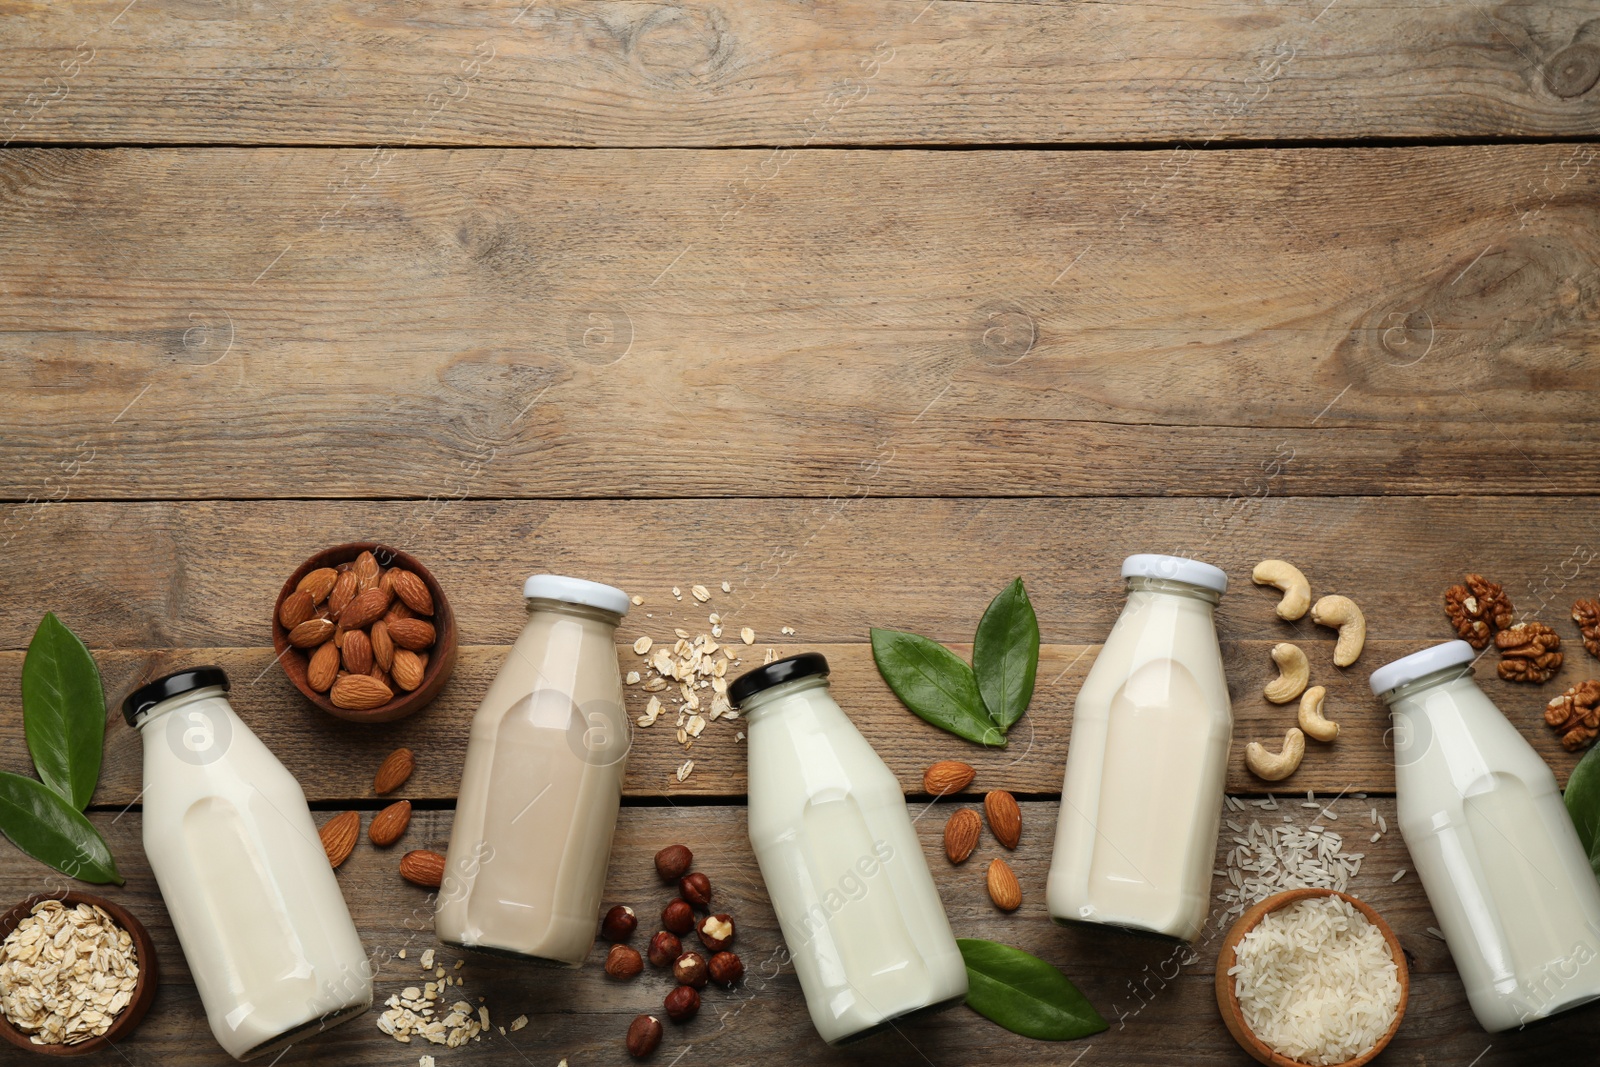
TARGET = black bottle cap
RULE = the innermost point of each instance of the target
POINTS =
(748, 684)
(176, 684)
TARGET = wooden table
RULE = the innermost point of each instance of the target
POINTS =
(865, 307)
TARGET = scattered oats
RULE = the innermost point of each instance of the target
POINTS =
(642, 645)
(682, 633)
(519, 1022)
(790, 630)
(771, 655)
(662, 662)
(726, 588)
(716, 631)
(655, 685)
(427, 959)
(637, 600)
(460, 964)
(747, 635)
(439, 973)
(402, 953)
(684, 769)
(739, 736)
(676, 593)
(426, 1061)
(696, 724)
(713, 618)
(701, 593)
(652, 711)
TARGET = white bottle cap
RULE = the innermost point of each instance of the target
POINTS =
(576, 591)
(1410, 668)
(1176, 569)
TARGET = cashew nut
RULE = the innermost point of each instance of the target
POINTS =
(1286, 576)
(1294, 673)
(1311, 720)
(1341, 612)
(1276, 766)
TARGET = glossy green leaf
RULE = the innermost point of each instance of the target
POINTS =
(1583, 804)
(1025, 994)
(52, 831)
(63, 711)
(1005, 655)
(935, 684)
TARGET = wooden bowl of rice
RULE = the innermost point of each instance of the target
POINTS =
(1350, 970)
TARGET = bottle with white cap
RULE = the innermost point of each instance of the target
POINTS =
(1148, 760)
(542, 783)
(1492, 842)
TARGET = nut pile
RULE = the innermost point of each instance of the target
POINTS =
(366, 630)
(66, 973)
(1481, 613)
(1575, 715)
(963, 829)
(340, 833)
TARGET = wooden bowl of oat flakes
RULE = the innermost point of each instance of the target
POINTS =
(49, 1005)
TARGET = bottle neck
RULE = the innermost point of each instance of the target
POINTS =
(1428, 681)
(1170, 587)
(174, 703)
(765, 701)
(600, 616)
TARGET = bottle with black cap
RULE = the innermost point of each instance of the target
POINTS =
(257, 909)
(844, 868)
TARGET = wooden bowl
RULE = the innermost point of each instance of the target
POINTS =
(144, 991)
(1228, 999)
(441, 659)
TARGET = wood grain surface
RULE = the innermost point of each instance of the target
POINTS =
(443, 324)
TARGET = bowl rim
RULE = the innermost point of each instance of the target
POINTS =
(439, 665)
(1227, 993)
(144, 989)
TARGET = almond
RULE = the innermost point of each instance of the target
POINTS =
(1005, 818)
(407, 669)
(946, 777)
(411, 633)
(344, 590)
(397, 767)
(414, 591)
(386, 579)
(311, 633)
(339, 836)
(323, 667)
(319, 583)
(1004, 889)
(961, 834)
(358, 692)
(398, 610)
(295, 609)
(367, 571)
(382, 647)
(390, 823)
(364, 610)
(422, 868)
(357, 651)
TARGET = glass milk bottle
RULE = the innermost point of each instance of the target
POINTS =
(1148, 760)
(843, 866)
(1492, 843)
(236, 854)
(542, 783)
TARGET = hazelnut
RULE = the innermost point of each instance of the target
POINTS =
(618, 924)
(644, 1034)
(690, 970)
(664, 948)
(673, 862)
(695, 888)
(683, 1003)
(677, 917)
(623, 962)
(726, 968)
(716, 932)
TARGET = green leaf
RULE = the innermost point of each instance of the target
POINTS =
(1005, 655)
(1583, 804)
(63, 711)
(1025, 994)
(935, 684)
(52, 831)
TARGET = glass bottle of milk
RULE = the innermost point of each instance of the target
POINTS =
(1148, 759)
(1492, 842)
(236, 855)
(542, 783)
(843, 866)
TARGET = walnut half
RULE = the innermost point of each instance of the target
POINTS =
(1529, 652)
(1575, 715)
(1477, 610)
(1586, 613)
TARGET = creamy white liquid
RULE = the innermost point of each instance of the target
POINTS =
(1496, 852)
(858, 908)
(1146, 768)
(540, 792)
(256, 907)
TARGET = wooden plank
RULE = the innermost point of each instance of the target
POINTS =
(841, 71)
(440, 325)
(1157, 996)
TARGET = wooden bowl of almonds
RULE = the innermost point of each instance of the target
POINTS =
(73, 1014)
(365, 632)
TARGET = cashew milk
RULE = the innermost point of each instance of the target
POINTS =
(243, 873)
(1147, 762)
(1492, 842)
(843, 866)
(542, 783)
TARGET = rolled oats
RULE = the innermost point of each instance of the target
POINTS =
(66, 973)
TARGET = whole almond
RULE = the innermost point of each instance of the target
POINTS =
(386, 579)
(1004, 889)
(383, 676)
(390, 823)
(357, 651)
(961, 834)
(339, 836)
(344, 590)
(413, 590)
(367, 571)
(323, 667)
(319, 583)
(946, 777)
(411, 633)
(382, 647)
(397, 767)
(407, 669)
(364, 610)
(1005, 818)
(311, 633)
(398, 610)
(422, 868)
(358, 692)
(296, 608)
